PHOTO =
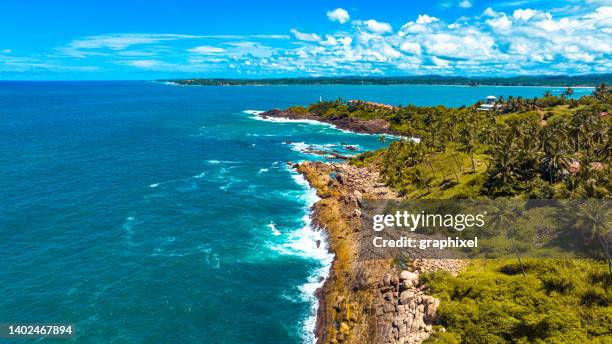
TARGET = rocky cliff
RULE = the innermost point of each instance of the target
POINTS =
(364, 301)
(373, 126)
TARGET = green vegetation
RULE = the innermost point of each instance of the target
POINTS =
(557, 302)
(549, 147)
(541, 80)
(543, 148)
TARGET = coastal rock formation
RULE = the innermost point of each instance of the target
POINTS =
(404, 314)
(365, 300)
(373, 126)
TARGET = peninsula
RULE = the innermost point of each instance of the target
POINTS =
(552, 147)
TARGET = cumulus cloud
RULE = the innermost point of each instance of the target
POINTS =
(489, 12)
(524, 14)
(390, 52)
(339, 15)
(518, 41)
(500, 23)
(377, 27)
(308, 37)
(329, 40)
(425, 19)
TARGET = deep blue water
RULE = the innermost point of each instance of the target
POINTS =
(150, 213)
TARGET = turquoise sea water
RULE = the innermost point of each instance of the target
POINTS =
(151, 213)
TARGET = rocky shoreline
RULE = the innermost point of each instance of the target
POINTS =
(373, 126)
(365, 301)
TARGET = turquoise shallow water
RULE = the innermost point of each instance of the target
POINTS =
(150, 213)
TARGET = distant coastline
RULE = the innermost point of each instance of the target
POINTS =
(589, 80)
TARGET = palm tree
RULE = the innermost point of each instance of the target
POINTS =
(505, 215)
(504, 166)
(422, 179)
(557, 160)
(594, 217)
(468, 145)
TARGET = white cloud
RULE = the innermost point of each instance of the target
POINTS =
(440, 62)
(489, 12)
(346, 41)
(122, 41)
(230, 37)
(465, 4)
(500, 23)
(92, 44)
(390, 52)
(521, 41)
(329, 40)
(308, 37)
(426, 19)
(377, 27)
(549, 24)
(524, 14)
(206, 50)
(411, 48)
(339, 14)
(142, 63)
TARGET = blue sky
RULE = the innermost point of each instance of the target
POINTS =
(164, 39)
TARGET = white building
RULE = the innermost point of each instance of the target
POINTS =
(489, 104)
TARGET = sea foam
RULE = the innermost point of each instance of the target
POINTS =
(255, 114)
(309, 242)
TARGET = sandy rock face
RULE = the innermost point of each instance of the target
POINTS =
(365, 301)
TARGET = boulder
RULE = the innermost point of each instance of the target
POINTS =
(407, 284)
(405, 296)
(409, 276)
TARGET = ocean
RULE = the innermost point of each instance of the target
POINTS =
(143, 212)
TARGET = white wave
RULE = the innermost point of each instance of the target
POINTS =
(226, 186)
(154, 185)
(262, 170)
(198, 176)
(300, 147)
(255, 115)
(291, 120)
(309, 242)
(217, 162)
(253, 112)
(321, 150)
(308, 290)
(272, 227)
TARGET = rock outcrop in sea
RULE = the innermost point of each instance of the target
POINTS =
(373, 126)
